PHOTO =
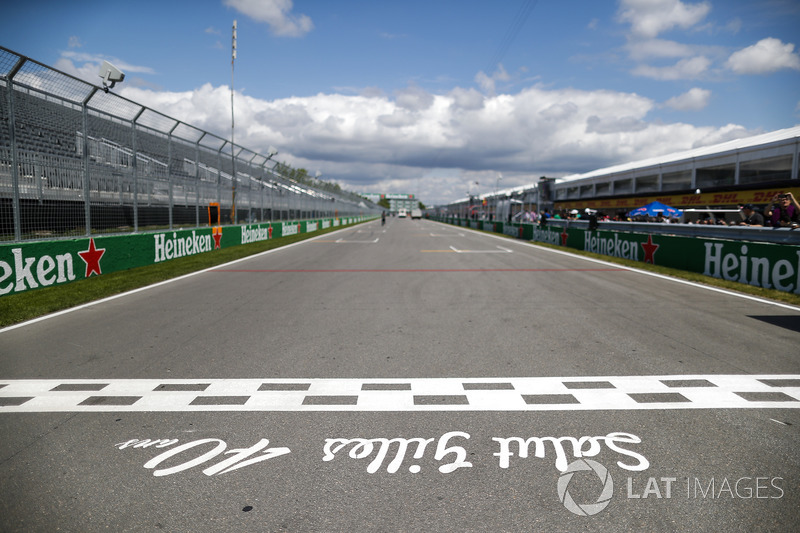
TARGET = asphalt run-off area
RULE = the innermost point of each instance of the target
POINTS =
(407, 377)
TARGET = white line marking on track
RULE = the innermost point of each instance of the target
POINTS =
(500, 251)
(415, 394)
(532, 244)
(342, 241)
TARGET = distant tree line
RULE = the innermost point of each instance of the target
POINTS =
(301, 175)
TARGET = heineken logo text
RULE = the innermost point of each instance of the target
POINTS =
(615, 247)
(288, 228)
(30, 272)
(181, 246)
(255, 234)
(782, 274)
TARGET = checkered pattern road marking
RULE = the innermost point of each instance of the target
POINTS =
(418, 394)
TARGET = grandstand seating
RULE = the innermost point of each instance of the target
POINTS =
(71, 149)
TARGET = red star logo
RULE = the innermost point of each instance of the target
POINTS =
(92, 259)
(269, 232)
(649, 250)
(564, 237)
(217, 234)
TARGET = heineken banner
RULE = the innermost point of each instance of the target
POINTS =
(26, 266)
(771, 266)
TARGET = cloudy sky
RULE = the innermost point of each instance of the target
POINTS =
(430, 96)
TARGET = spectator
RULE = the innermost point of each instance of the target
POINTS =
(543, 218)
(751, 216)
(591, 216)
(784, 211)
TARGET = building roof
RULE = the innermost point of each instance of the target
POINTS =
(703, 151)
(715, 150)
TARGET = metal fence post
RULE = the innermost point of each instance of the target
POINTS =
(169, 175)
(135, 166)
(14, 155)
(263, 177)
(197, 179)
(219, 180)
(87, 208)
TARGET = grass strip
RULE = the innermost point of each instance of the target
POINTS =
(15, 308)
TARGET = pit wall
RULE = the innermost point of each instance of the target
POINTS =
(767, 265)
(27, 266)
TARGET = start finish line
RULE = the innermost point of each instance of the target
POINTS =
(422, 394)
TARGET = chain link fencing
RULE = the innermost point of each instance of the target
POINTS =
(77, 160)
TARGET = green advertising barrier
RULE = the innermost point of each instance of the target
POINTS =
(770, 266)
(766, 265)
(27, 266)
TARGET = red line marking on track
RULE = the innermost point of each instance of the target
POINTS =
(335, 270)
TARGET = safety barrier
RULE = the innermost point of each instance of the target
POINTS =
(32, 265)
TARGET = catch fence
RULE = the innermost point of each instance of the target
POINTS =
(77, 160)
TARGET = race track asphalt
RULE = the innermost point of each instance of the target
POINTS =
(412, 377)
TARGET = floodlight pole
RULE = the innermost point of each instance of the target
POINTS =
(233, 146)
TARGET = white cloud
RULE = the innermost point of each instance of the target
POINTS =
(276, 13)
(649, 18)
(485, 82)
(87, 66)
(469, 99)
(95, 60)
(658, 48)
(729, 132)
(432, 144)
(685, 69)
(595, 124)
(413, 98)
(488, 83)
(86, 72)
(734, 26)
(694, 99)
(766, 56)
